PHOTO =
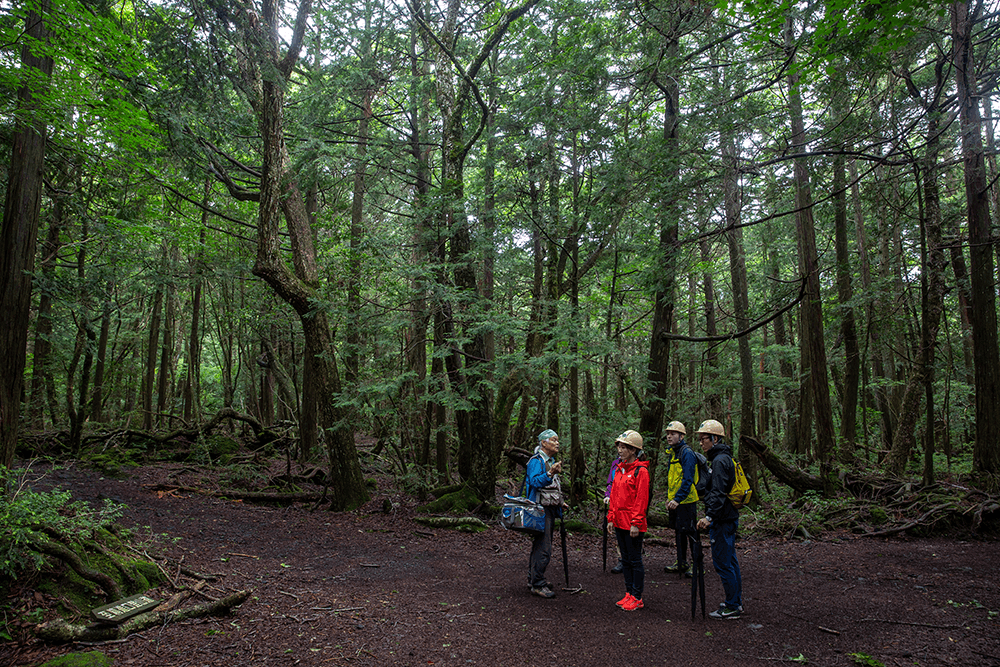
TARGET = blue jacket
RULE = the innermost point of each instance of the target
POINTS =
(536, 477)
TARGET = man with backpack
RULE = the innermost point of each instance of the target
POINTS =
(682, 508)
(722, 518)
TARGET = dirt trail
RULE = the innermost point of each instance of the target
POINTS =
(366, 588)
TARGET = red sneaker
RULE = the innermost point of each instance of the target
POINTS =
(625, 600)
(633, 604)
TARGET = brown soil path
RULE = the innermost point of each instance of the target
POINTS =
(370, 589)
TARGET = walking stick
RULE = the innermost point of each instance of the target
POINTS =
(562, 538)
(697, 573)
(605, 551)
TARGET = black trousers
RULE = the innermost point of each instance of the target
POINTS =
(541, 551)
(684, 520)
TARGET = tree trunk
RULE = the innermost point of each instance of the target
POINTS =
(19, 233)
(932, 283)
(712, 400)
(812, 308)
(164, 383)
(741, 299)
(667, 254)
(149, 371)
(279, 194)
(454, 102)
(192, 395)
(419, 417)
(100, 369)
(986, 451)
(848, 329)
(41, 373)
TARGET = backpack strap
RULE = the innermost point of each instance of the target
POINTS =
(524, 484)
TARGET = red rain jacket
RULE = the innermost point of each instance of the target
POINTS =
(630, 496)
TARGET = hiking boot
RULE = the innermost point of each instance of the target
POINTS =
(617, 569)
(632, 604)
(678, 567)
(724, 612)
(543, 592)
(625, 600)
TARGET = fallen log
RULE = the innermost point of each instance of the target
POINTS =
(60, 630)
(468, 523)
(788, 474)
(234, 494)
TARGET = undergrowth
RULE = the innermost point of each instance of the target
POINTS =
(27, 514)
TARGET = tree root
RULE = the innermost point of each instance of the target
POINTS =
(72, 559)
(60, 630)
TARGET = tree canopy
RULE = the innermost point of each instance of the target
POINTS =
(449, 226)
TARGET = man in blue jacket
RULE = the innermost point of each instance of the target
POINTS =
(542, 469)
(722, 519)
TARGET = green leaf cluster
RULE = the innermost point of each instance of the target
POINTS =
(28, 513)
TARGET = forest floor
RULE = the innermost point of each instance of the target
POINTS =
(373, 588)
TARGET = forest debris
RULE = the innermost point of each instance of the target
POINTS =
(233, 553)
(915, 623)
(60, 630)
(233, 494)
(179, 597)
(457, 522)
(832, 632)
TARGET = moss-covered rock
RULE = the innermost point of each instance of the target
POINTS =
(878, 515)
(462, 501)
(581, 527)
(221, 448)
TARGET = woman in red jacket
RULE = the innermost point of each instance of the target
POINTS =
(627, 514)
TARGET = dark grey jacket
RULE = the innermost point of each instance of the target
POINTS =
(717, 505)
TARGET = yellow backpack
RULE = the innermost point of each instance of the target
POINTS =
(740, 494)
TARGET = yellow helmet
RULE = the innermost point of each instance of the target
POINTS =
(711, 427)
(631, 438)
(676, 426)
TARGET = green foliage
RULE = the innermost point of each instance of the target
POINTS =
(89, 659)
(865, 660)
(27, 512)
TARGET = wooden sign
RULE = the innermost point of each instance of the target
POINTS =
(116, 612)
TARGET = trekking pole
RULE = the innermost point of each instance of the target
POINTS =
(562, 537)
(697, 573)
(605, 550)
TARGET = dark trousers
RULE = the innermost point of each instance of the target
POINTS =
(723, 537)
(541, 551)
(631, 550)
(684, 520)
